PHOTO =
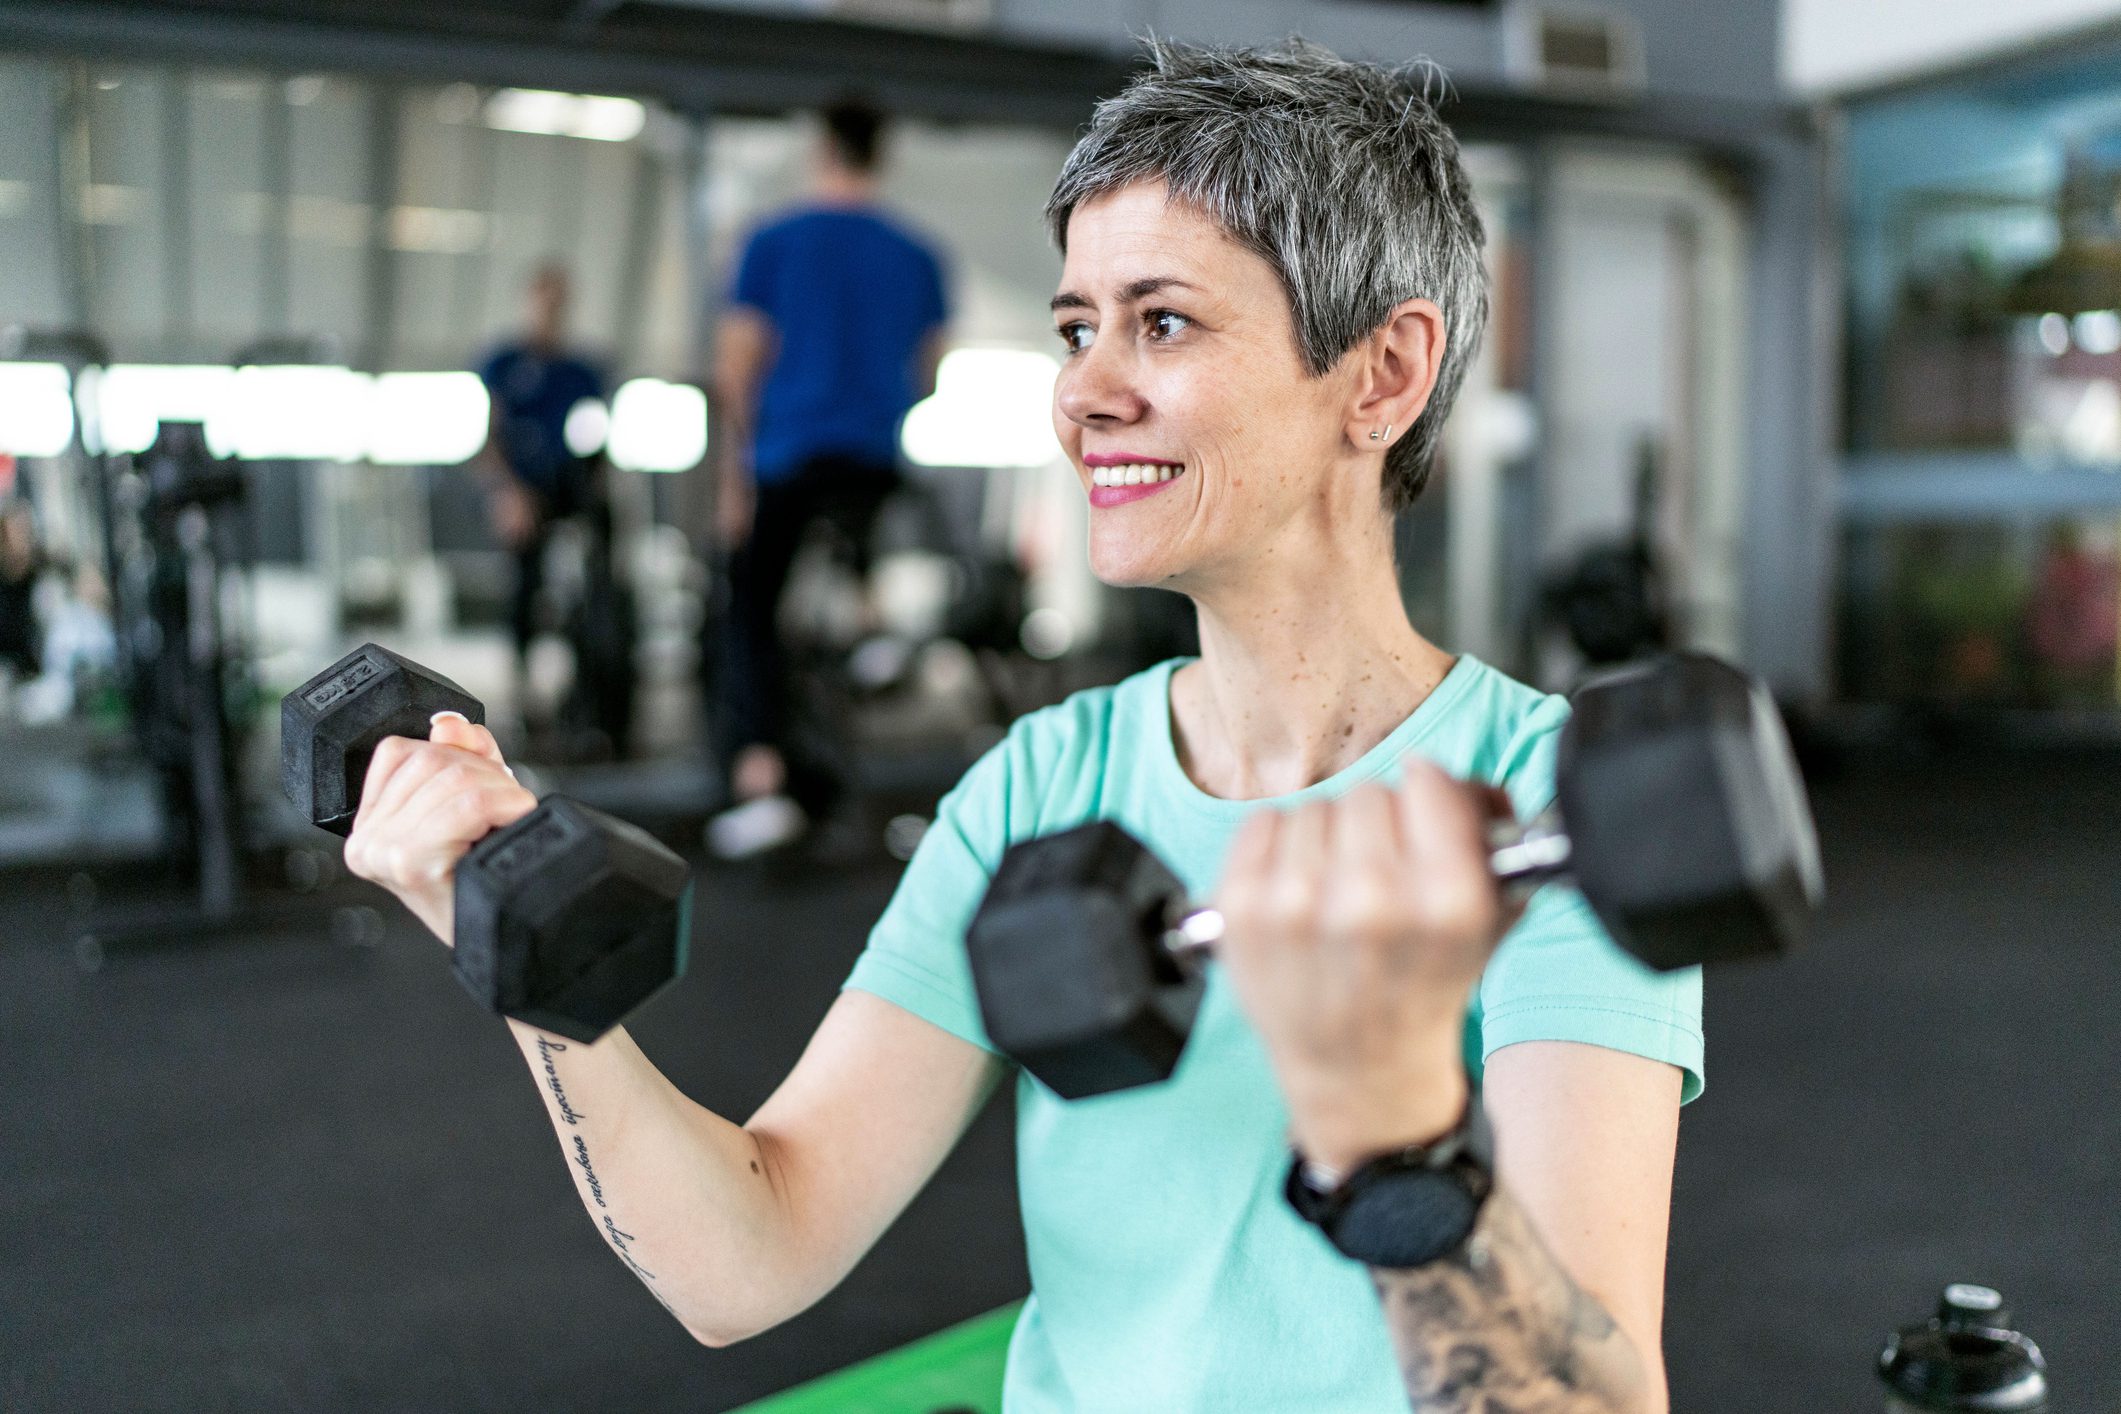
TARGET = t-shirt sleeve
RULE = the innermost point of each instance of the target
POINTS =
(1558, 975)
(755, 274)
(916, 953)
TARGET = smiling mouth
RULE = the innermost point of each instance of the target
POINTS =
(1137, 474)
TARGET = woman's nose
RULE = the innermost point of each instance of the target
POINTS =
(1096, 388)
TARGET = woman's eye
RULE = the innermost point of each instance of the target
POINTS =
(1161, 322)
(1076, 336)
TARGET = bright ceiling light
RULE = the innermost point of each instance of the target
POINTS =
(36, 409)
(134, 399)
(2097, 331)
(992, 408)
(658, 426)
(293, 412)
(537, 110)
(2054, 334)
(588, 427)
(427, 419)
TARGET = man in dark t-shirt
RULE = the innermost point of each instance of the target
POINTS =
(19, 563)
(532, 478)
(834, 331)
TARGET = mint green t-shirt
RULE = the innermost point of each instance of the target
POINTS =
(1167, 1272)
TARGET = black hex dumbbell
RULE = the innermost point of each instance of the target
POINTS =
(566, 919)
(1686, 827)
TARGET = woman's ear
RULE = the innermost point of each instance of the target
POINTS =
(1400, 362)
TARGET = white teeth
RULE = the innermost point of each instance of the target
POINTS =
(1137, 474)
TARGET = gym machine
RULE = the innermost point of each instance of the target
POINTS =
(176, 534)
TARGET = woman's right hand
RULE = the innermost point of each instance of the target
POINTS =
(423, 805)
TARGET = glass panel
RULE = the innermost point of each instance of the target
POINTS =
(124, 202)
(1984, 382)
(442, 228)
(328, 211)
(230, 209)
(29, 276)
(1983, 615)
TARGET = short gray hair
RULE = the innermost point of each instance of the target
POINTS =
(1339, 174)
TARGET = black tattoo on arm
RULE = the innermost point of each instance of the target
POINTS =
(547, 1049)
(581, 1157)
(577, 1149)
(1500, 1327)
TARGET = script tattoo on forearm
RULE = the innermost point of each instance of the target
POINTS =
(547, 1049)
(577, 1148)
(1500, 1327)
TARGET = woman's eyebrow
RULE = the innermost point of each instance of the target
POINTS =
(1127, 293)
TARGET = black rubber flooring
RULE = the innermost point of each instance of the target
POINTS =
(290, 1174)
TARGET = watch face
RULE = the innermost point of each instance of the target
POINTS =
(1406, 1219)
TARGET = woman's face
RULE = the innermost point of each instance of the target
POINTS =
(1181, 356)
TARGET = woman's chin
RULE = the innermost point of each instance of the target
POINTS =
(1128, 567)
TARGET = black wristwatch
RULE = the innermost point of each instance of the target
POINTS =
(1408, 1207)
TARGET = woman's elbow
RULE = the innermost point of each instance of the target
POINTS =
(719, 1335)
(719, 1329)
(713, 1338)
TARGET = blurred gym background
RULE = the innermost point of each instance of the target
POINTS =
(1807, 352)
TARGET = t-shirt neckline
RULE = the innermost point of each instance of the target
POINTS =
(1370, 765)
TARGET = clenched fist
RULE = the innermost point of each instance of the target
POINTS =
(1355, 931)
(423, 805)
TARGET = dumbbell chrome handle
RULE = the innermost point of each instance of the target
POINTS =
(1522, 855)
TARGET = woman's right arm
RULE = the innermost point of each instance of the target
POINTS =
(734, 1228)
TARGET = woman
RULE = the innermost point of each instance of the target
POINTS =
(1271, 288)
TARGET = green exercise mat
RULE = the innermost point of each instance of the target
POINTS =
(958, 1368)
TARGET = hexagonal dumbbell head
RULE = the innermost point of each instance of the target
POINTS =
(1689, 831)
(568, 919)
(330, 727)
(1067, 957)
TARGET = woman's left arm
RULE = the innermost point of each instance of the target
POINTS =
(1557, 1302)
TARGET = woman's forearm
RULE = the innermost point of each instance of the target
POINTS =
(1501, 1324)
(690, 1202)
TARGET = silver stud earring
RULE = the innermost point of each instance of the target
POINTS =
(1377, 436)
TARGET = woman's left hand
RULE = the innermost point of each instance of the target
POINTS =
(1355, 930)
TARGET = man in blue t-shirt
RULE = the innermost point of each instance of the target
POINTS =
(834, 331)
(531, 477)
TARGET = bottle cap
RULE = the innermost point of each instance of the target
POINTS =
(1967, 1357)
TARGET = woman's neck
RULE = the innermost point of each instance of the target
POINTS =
(1298, 678)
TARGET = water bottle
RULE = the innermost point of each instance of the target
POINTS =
(1966, 1357)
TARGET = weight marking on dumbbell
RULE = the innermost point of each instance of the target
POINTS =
(346, 684)
(509, 860)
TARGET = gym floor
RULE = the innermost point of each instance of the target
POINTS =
(286, 1173)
